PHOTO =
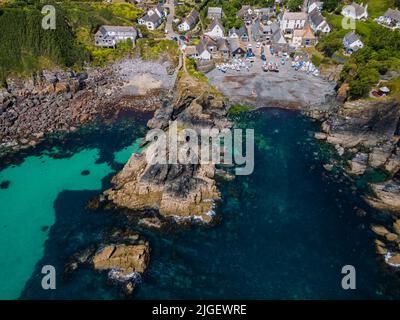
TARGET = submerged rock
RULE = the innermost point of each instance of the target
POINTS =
(151, 222)
(5, 184)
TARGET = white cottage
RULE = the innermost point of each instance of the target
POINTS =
(318, 22)
(352, 42)
(355, 11)
(189, 22)
(216, 30)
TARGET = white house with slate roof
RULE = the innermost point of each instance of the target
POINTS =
(355, 11)
(205, 49)
(352, 42)
(318, 22)
(190, 21)
(216, 30)
(239, 34)
(153, 18)
(391, 19)
(109, 36)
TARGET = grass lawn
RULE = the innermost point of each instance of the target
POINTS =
(394, 85)
(377, 7)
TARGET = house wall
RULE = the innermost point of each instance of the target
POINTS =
(356, 45)
(217, 32)
(184, 26)
(293, 24)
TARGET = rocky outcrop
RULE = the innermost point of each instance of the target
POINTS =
(178, 191)
(123, 259)
(385, 196)
(388, 244)
(366, 131)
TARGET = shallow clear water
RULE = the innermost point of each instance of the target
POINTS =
(285, 231)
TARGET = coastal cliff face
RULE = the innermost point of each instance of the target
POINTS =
(366, 133)
(179, 191)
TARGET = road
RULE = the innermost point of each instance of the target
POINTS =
(170, 4)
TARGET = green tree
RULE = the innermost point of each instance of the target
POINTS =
(331, 5)
(295, 5)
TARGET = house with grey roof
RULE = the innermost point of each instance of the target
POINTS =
(190, 21)
(223, 48)
(214, 13)
(270, 33)
(247, 14)
(153, 18)
(243, 34)
(233, 33)
(109, 36)
(206, 48)
(391, 18)
(216, 29)
(237, 48)
(355, 11)
(352, 42)
(318, 22)
(268, 12)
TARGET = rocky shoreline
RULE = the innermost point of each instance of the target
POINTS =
(60, 101)
(365, 134)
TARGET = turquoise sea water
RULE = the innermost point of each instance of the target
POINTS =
(284, 232)
(27, 207)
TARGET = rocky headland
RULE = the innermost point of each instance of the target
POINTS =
(181, 192)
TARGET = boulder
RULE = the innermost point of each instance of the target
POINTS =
(385, 196)
(124, 258)
(320, 136)
(396, 226)
(380, 230)
(358, 164)
(394, 260)
(391, 236)
(152, 223)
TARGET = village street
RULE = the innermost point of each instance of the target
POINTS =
(170, 33)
